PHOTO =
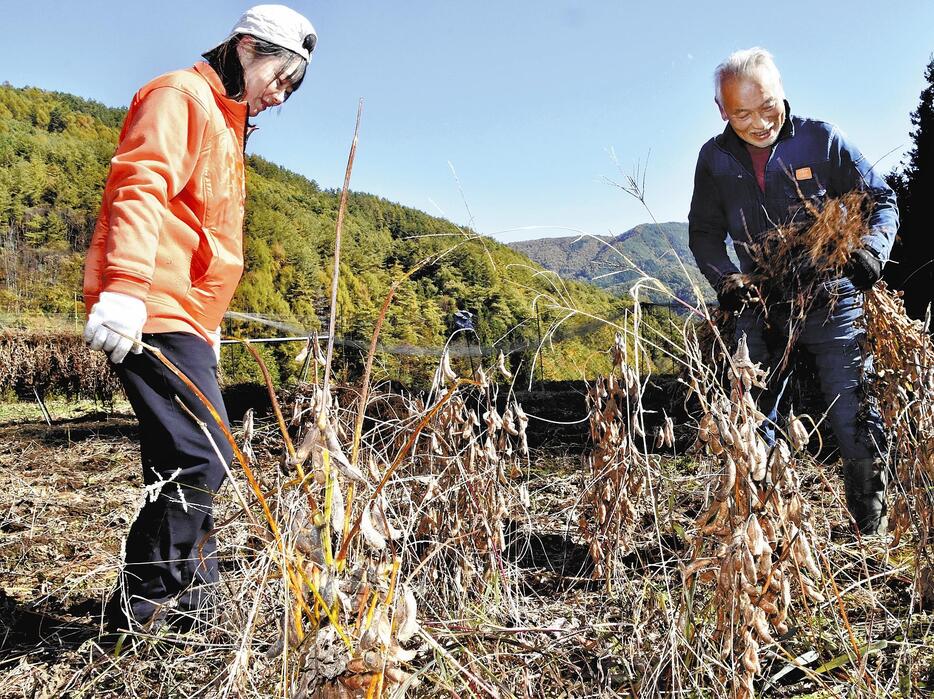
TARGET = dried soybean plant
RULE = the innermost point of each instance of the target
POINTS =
(461, 481)
(617, 462)
(796, 263)
(903, 387)
(361, 616)
(751, 550)
(424, 514)
(345, 617)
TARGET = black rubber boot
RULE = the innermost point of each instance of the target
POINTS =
(864, 481)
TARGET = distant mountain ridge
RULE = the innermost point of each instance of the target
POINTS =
(616, 262)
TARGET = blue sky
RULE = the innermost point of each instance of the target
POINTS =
(524, 99)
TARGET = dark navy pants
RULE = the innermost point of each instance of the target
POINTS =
(832, 334)
(171, 559)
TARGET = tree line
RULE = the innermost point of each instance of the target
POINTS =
(912, 268)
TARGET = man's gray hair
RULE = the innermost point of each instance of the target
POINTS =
(744, 63)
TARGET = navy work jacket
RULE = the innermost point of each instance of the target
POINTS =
(809, 155)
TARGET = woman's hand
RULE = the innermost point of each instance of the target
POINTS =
(114, 319)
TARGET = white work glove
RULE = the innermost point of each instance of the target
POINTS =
(215, 336)
(126, 314)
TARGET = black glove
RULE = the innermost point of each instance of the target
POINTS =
(864, 269)
(733, 292)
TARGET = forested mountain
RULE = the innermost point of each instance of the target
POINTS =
(615, 262)
(54, 154)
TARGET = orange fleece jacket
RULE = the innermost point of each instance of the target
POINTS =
(170, 229)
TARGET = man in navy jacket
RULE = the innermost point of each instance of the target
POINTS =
(752, 178)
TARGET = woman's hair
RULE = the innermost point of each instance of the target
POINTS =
(225, 61)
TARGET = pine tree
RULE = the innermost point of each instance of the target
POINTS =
(57, 122)
(914, 253)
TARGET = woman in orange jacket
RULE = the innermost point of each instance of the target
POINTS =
(163, 265)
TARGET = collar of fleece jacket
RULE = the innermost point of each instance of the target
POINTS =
(235, 113)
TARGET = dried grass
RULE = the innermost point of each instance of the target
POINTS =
(527, 621)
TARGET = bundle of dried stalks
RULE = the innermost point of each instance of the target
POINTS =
(362, 615)
(903, 388)
(795, 260)
(351, 541)
(54, 363)
(460, 480)
(618, 464)
(814, 246)
(754, 541)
